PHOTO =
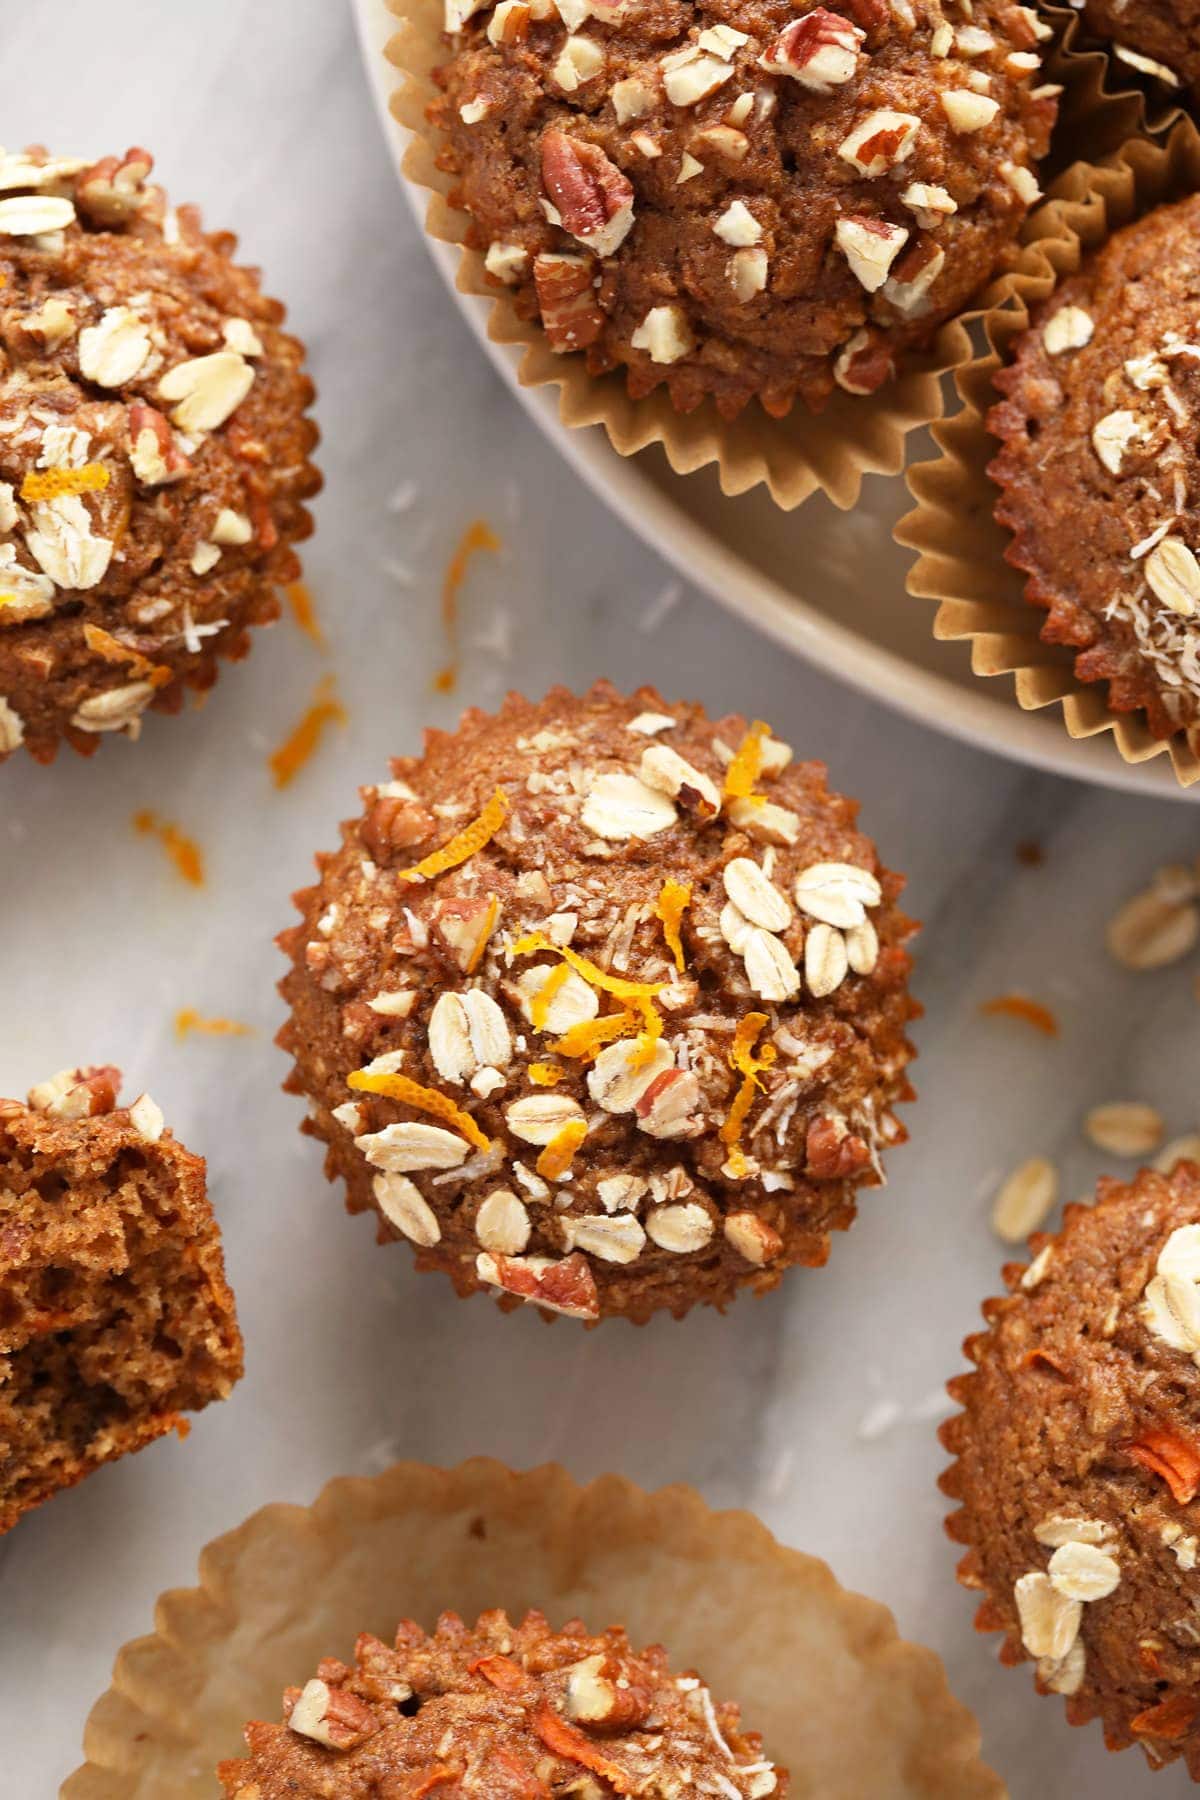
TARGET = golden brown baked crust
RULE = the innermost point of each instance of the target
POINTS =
(498, 1711)
(1099, 471)
(1078, 1463)
(736, 202)
(708, 1077)
(153, 451)
(115, 1315)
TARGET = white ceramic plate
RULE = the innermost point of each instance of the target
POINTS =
(851, 616)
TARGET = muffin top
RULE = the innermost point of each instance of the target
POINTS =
(1100, 471)
(602, 1005)
(732, 200)
(501, 1712)
(153, 450)
(1078, 1463)
(1159, 41)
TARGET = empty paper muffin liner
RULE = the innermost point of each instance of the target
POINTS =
(795, 457)
(766, 1626)
(960, 562)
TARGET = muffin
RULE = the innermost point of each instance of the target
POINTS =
(115, 1316)
(1102, 390)
(153, 451)
(736, 202)
(602, 1005)
(501, 1710)
(1161, 40)
(1078, 1463)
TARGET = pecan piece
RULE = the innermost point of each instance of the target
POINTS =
(592, 197)
(833, 1150)
(567, 1286)
(330, 1715)
(396, 824)
(113, 189)
(601, 1695)
(863, 364)
(155, 456)
(566, 295)
(820, 51)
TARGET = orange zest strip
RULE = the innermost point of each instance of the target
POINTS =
(545, 1074)
(326, 709)
(188, 1020)
(1018, 1006)
(103, 643)
(300, 601)
(747, 763)
(463, 844)
(1171, 1718)
(183, 851)
(485, 934)
(539, 1006)
(640, 992)
(502, 1672)
(585, 1039)
(421, 1099)
(673, 901)
(478, 536)
(569, 1742)
(559, 1153)
(1173, 1457)
(52, 484)
(750, 1067)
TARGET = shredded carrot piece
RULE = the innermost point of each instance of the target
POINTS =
(568, 1741)
(421, 1099)
(478, 536)
(1018, 1006)
(485, 934)
(51, 484)
(291, 756)
(182, 1427)
(183, 851)
(673, 901)
(545, 1074)
(585, 1039)
(435, 1777)
(103, 643)
(188, 1019)
(559, 1153)
(750, 1067)
(1173, 1457)
(464, 844)
(539, 1006)
(746, 766)
(501, 1671)
(1171, 1718)
(304, 612)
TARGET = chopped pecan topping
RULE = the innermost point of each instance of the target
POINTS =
(593, 199)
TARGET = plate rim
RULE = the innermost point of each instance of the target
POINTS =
(700, 558)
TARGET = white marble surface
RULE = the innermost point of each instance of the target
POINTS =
(262, 112)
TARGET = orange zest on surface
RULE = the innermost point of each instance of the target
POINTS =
(421, 1099)
(326, 709)
(478, 536)
(1171, 1718)
(559, 1153)
(539, 1006)
(673, 901)
(747, 763)
(436, 1777)
(750, 1067)
(1019, 1006)
(502, 1672)
(303, 610)
(1173, 1457)
(103, 643)
(52, 484)
(188, 1020)
(183, 851)
(568, 1741)
(464, 844)
(545, 1074)
(485, 934)
(583, 1040)
(641, 993)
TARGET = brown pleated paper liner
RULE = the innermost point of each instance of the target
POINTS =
(840, 1699)
(795, 457)
(1104, 102)
(960, 547)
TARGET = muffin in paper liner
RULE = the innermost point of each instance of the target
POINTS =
(960, 547)
(1105, 101)
(764, 1624)
(794, 457)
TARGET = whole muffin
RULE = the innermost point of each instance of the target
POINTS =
(153, 451)
(1161, 39)
(1104, 390)
(1078, 1464)
(735, 201)
(502, 1711)
(601, 1004)
(116, 1315)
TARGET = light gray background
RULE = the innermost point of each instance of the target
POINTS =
(261, 111)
